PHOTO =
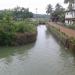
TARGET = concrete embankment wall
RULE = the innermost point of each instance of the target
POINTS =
(68, 42)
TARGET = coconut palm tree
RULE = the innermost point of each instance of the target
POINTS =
(68, 1)
(58, 7)
(71, 2)
(49, 9)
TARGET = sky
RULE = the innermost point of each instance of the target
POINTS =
(31, 4)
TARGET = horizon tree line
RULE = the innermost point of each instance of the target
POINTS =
(17, 13)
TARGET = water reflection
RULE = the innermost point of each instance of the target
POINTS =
(44, 57)
(8, 53)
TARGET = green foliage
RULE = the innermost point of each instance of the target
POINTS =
(68, 1)
(6, 38)
(18, 13)
(8, 28)
(71, 2)
(49, 9)
(71, 26)
(21, 13)
(24, 26)
(15, 21)
(58, 14)
(72, 40)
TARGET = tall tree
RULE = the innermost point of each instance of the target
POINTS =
(68, 1)
(71, 2)
(58, 14)
(70, 7)
(58, 7)
(21, 13)
(49, 9)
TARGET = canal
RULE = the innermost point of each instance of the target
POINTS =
(44, 57)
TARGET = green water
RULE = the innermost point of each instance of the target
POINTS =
(44, 57)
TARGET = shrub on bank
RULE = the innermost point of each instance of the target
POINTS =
(71, 26)
(63, 38)
(8, 29)
(72, 40)
(25, 27)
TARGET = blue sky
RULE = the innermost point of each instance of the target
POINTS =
(32, 4)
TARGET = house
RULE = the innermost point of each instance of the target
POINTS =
(70, 16)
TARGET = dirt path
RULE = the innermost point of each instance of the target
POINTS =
(67, 31)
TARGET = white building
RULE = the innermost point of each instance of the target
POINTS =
(70, 16)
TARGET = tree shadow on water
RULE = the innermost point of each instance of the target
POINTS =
(12, 51)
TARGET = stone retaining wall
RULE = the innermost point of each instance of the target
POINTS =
(24, 38)
(62, 37)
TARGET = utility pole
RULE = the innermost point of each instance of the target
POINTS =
(36, 13)
(36, 10)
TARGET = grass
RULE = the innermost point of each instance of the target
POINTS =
(71, 26)
(72, 40)
(25, 26)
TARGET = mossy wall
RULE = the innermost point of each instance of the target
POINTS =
(24, 38)
(68, 42)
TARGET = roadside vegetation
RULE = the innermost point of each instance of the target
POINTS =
(71, 26)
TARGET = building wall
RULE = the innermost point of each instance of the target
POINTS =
(68, 22)
(69, 16)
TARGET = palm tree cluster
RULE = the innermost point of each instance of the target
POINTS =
(49, 9)
(71, 3)
(57, 14)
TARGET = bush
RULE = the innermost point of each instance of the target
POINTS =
(72, 40)
(24, 26)
(71, 26)
(8, 28)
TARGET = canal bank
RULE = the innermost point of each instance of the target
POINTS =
(44, 57)
(24, 38)
(64, 35)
